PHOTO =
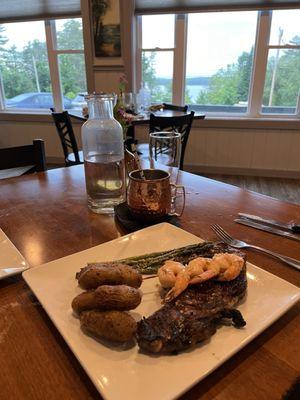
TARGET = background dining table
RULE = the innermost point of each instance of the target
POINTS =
(46, 217)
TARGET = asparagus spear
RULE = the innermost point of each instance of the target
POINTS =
(149, 263)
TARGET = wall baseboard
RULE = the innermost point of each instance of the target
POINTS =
(268, 173)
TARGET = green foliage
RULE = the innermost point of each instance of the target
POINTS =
(3, 39)
(287, 82)
(27, 70)
(187, 97)
(159, 93)
(229, 85)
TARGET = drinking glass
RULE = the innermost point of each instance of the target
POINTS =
(128, 101)
(165, 151)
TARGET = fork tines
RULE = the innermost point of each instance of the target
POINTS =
(223, 235)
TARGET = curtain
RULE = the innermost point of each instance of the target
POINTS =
(24, 10)
(185, 6)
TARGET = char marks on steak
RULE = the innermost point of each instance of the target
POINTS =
(193, 316)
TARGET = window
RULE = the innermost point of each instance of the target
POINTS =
(282, 83)
(218, 67)
(157, 56)
(41, 64)
(243, 63)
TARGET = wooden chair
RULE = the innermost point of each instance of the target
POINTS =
(181, 124)
(175, 108)
(67, 138)
(16, 161)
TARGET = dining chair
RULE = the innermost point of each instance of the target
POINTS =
(67, 137)
(20, 160)
(173, 107)
(181, 124)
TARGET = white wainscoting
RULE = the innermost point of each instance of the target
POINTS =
(241, 151)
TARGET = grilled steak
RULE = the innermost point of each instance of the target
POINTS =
(193, 316)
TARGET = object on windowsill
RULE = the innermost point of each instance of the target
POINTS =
(85, 111)
(156, 107)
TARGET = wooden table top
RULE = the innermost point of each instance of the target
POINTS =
(77, 114)
(46, 217)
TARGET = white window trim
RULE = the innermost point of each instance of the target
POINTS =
(257, 80)
(52, 52)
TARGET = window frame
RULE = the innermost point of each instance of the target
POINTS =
(258, 75)
(52, 52)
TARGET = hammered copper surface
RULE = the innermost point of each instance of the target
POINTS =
(149, 199)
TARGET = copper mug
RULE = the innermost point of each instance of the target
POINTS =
(153, 198)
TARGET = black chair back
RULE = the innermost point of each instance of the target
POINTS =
(181, 124)
(174, 107)
(67, 137)
(21, 156)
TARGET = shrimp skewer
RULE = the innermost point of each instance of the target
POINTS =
(167, 274)
(223, 267)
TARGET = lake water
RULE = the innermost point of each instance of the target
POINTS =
(194, 90)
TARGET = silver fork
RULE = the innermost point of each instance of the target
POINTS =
(239, 244)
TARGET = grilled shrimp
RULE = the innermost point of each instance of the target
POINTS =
(229, 265)
(197, 270)
(167, 274)
(223, 267)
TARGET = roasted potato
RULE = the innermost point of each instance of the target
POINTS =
(98, 274)
(117, 326)
(119, 297)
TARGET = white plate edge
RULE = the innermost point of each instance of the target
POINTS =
(21, 269)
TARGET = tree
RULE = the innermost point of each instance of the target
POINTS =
(27, 70)
(287, 83)
(3, 39)
(72, 66)
(230, 85)
(159, 93)
(70, 37)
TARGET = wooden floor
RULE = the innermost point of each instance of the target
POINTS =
(280, 188)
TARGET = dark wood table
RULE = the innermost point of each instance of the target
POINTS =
(77, 114)
(46, 217)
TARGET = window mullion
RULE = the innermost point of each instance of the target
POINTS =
(139, 54)
(2, 94)
(53, 64)
(260, 61)
(179, 61)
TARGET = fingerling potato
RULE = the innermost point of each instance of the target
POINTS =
(117, 326)
(98, 274)
(118, 297)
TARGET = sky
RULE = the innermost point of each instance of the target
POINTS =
(29, 31)
(214, 39)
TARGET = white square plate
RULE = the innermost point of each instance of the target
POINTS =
(128, 374)
(11, 260)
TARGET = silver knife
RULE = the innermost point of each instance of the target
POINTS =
(267, 228)
(290, 226)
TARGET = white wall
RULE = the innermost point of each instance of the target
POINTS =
(21, 133)
(253, 152)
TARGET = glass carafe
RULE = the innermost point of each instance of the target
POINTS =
(103, 151)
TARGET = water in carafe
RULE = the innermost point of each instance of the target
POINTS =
(103, 149)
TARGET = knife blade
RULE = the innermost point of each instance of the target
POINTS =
(266, 228)
(290, 226)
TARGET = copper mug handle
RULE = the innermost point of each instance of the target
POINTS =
(173, 200)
